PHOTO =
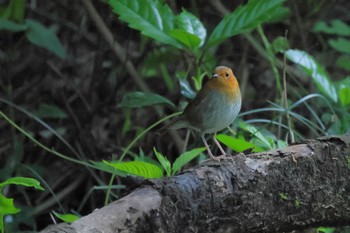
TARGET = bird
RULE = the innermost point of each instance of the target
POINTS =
(213, 108)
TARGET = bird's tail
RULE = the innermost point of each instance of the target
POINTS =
(176, 123)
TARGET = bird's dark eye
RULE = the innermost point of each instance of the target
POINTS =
(227, 74)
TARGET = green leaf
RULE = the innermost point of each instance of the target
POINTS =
(188, 39)
(343, 62)
(238, 144)
(7, 206)
(69, 218)
(255, 132)
(185, 158)
(13, 10)
(341, 45)
(280, 44)
(150, 17)
(24, 181)
(138, 168)
(141, 99)
(44, 37)
(326, 229)
(11, 26)
(163, 161)
(107, 168)
(337, 27)
(191, 24)
(246, 18)
(315, 70)
(50, 111)
(344, 92)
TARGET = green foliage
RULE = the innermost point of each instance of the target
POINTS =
(138, 168)
(44, 37)
(336, 27)
(325, 229)
(181, 161)
(185, 158)
(341, 44)
(37, 34)
(315, 70)
(13, 11)
(50, 111)
(6, 204)
(68, 218)
(238, 144)
(141, 99)
(150, 17)
(247, 18)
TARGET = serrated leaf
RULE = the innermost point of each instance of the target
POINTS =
(138, 168)
(191, 24)
(50, 111)
(336, 27)
(163, 161)
(150, 17)
(11, 26)
(246, 18)
(142, 99)
(107, 168)
(68, 218)
(185, 158)
(315, 70)
(44, 37)
(24, 181)
(238, 144)
(188, 39)
(341, 45)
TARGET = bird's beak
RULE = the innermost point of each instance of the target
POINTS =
(215, 75)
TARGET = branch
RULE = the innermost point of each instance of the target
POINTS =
(263, 192)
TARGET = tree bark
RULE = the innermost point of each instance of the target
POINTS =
(301, 186)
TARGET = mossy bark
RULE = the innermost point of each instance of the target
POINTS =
(301, 186)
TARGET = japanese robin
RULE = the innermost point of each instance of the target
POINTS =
(214, 108)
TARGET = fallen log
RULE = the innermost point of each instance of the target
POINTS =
(301, 186)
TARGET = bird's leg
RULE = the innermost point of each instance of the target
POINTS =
(208, 149)
(218, 144)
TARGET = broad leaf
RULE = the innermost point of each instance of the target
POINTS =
(163, 161)
(315, 70)
(191, 24)
(24, 181)
(141, 99)
(6, 24)
(188, 39)
(7, 206)
(44, 37)
(150, 17)
(341, 45)
(337, 27)
(255, 132)
(185, 158)
(138, 168)
(344, 92)
(50, 111)
(343, 62)
(238, 144)
(246, 18)
(69, 218)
